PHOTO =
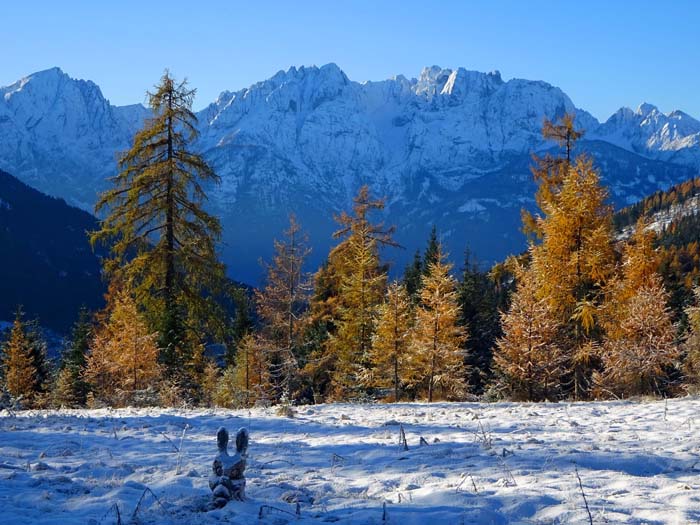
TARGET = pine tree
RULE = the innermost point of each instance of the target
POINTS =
(389, 356)
(71, 389)
(163, 242)
(527, 358)
(123, 358)
(21, 377)
(437, 339)
(281, 305)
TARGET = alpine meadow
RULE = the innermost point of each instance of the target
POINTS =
(455, 298)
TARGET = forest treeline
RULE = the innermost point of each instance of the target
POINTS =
(580, 315)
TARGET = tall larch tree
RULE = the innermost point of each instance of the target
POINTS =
(162, 241)
(361, 287)
(574, 259)
(438, 360)
(389, 356)
(528, 360)
(123, 358)
(282, 304)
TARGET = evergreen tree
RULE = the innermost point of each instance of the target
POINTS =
(281, 305)
(432, 251)
(163, 242)
(691, 345)
(437, 339)
(389, 356)
(123, 358)
(412, 277)
(478, 302)
(71, 389)
(528, 359)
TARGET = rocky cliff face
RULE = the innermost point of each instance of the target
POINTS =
(451, 147)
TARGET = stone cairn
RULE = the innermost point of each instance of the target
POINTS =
(227, 481)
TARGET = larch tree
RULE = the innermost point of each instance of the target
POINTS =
(528, 359)
(251, 381)
(437, 354)
(389, 355)
(549, 171)
(637, 359)
(361, 287)
(572, 264)
(639, 347)
(162, 241)
(123, 358)
(281, 305)
(22, 377)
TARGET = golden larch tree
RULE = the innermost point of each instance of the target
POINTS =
(437, 355)
(123, 357)
(389, 355)
(528, 359)
(282, 303)
(21, 377)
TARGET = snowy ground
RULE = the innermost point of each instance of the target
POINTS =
(484, 463)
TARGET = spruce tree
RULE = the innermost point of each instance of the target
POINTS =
(437, 346)
(71, 389)
(432, 251)
(478, 302)
(412, 277)
(162, 241)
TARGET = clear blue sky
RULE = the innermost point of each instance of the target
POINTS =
(602, 54)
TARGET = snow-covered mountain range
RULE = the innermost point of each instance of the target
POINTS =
(451, 147)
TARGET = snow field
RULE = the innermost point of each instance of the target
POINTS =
(483, 463)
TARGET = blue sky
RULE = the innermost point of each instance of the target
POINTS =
(602, 54)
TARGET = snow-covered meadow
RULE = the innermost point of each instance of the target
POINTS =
(638, 462)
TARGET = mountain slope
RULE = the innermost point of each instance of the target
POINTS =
(47, 264)
(451, 147)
